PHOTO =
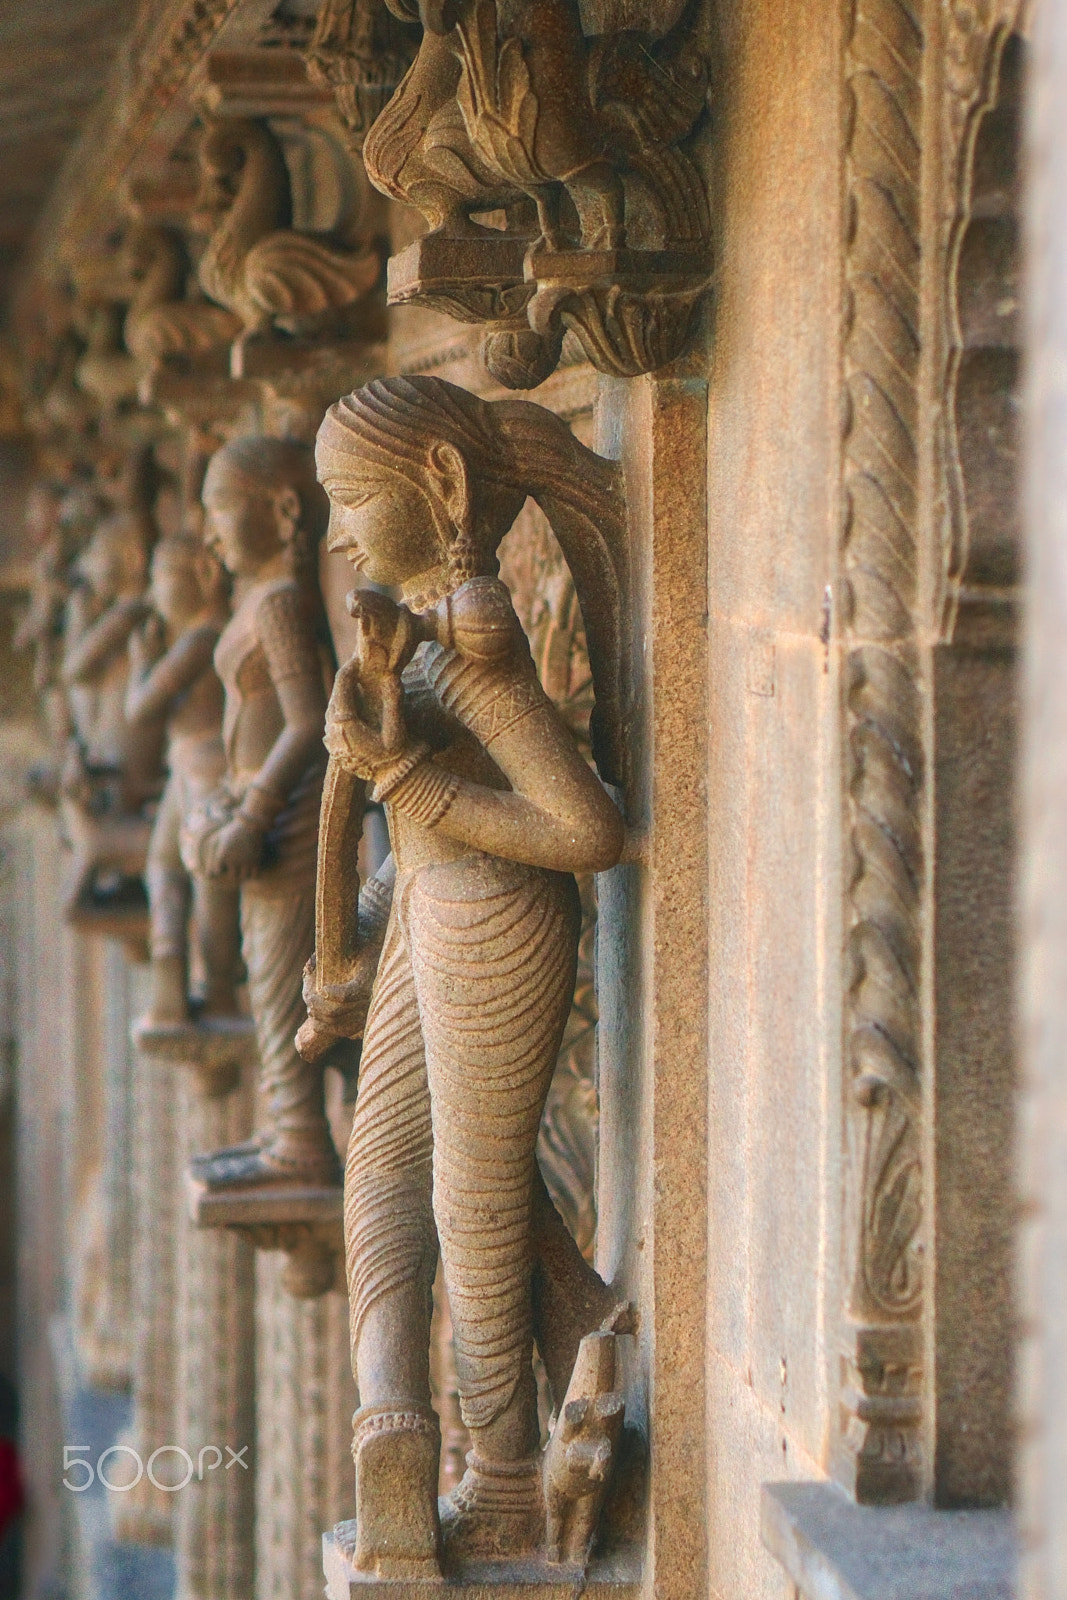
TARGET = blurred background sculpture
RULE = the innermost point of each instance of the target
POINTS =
(258, 831)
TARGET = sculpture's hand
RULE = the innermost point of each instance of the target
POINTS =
(147, 644)
(340, 1009)
(363, 750)
(235, 851)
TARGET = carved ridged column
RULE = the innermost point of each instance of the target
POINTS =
(145, 1513)
(100, 1043)
(305, 1398)
(879, 1447)
(214, 1534)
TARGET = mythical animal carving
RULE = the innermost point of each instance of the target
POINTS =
(258, 831)
(468, 937)
(255, 264)
(172, 674)
(163, 326)
(510, 106)
(361, 51)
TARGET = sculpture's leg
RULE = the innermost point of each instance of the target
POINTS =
(168, 902)
(570, 1300)
(294, 1146)
(391, 1254)
(494, 959)
(217, 926)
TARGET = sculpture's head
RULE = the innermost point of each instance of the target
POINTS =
(261, 501)
(113, 562)
(185, 580)
(422, 483)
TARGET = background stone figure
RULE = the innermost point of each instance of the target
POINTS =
(259, 830)
(491, 808)
(172, 673)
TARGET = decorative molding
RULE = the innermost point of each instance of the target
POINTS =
(974, 34)
(879, 1442)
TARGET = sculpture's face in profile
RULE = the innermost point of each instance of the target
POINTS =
(245, 526)
(384, 526)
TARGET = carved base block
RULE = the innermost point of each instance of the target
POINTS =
(617, 1577)
(879, 1447)
(307, 1224)
(216, 1049)
(474, 280)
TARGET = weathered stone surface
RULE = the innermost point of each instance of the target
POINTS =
(833, 1549)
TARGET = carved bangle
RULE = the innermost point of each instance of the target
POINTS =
(375, 901)
(386, 778)
(259, 807)
(426, 794)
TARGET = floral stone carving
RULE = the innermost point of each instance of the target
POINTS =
(461, 956)
(580, 143)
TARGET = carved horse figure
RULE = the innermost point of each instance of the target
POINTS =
(469, 939)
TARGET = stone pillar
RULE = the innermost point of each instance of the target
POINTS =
(305, 1398)
(652, 970)
(145, 1513)
(97, 1054)
(1042, 1386)
(206, 1074)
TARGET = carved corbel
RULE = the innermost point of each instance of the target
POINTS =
(582, 146)
(360, 50)
(307, 1226)
(274, 279)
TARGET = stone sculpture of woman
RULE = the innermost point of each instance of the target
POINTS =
(491, 810)
(264, 514)
(172, 674)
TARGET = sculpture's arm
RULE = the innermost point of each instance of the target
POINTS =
(293, 662)
(152, 694)
(557, 815)
(102, 639)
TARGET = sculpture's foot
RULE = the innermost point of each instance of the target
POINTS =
(396, 1453)
(495, 1511)
(267, 1162)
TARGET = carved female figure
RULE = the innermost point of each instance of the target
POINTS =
(264, 513)
(491, 810)
(172, 674)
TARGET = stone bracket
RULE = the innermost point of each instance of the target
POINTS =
(307, 1224)
(216, 1049)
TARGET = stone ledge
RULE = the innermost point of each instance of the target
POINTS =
(613, 1577)
(833, 1549)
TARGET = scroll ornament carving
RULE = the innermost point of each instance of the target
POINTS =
(581, 143)
(461, 957)
(361, 51)
(885, 772)
(255, 264)
(163, 327)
